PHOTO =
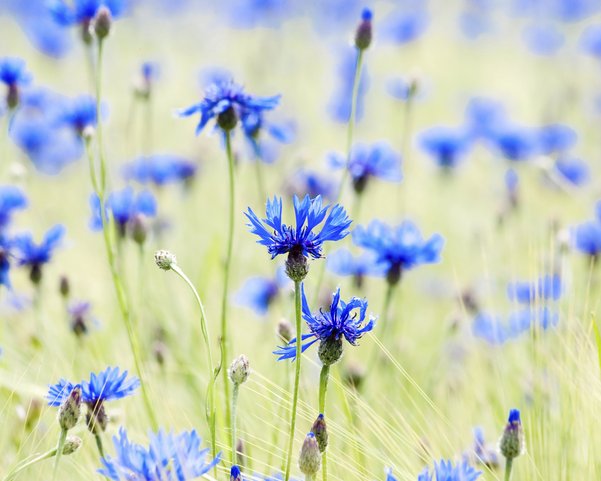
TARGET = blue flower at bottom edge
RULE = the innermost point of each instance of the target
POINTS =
(447, 471)
(343, 320)
(176, 457)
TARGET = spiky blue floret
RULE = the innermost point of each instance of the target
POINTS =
(548, 287)
(574, 170)
(445, 145)
(32, 254)
(235, 474)
(124, 205)
(108, 385)
(160, 169)
(310, 213)
(58, 392)
(343, 263)
(176, 457)
(514, 416)
(462, 471)
(11, 199)
(400, 246)
(587, 238)
(79, 113)
(219, 97)
(12, 72)
(71, 13)
(343, 320)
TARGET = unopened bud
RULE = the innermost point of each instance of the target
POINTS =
(12, 96)
(320, 431)
(235, 474)
(512, 443)
(102, 23)
(309, 460)
(285, 330)
(88, 132)
(72, 444)
(363, 36)
(68, 413)
(64, 286)
(239, 370)
(96, 417)
(164, 259)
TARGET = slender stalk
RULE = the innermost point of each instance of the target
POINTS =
(99, 445)
(99, 184)
(308, 477)
(226, 280)
(324, 376)
(234, 406)
(386, 329)
(260, 183)
(59, 450)
(508, 466)
(214, 372)
(297, 372)
(20, 467)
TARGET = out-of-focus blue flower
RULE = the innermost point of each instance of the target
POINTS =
(587, 238)
(124, 205)
(516, 143)
(542, 39)
(446, 146)
(389, 476)
(403, 89)
(13, 72)
(249, 14)
(590, 41)
(366, 161)
(280, 238)
(482, 453)
(398, 248)
(447, 471)
(176, 457)
(571, 10)
(82, 11)
(495, 330)
(258, 293)
(235, 474)
(477, 18)
(35, 255)
(11, 198)
(343, 320)
(57, 393)
(339, 106)
(261, 135)
(404, 25)
(223, 97)
(484, 116)
(574, 170)
(160, 169)
(5, 255)
(556, 138)
(548, 287)
(308, 182)
(214, 75)
(80, 314)
(79, 113)
(343, 263)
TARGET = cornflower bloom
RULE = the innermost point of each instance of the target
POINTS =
(587, 239)
(343, 263)
(447, 471)
(35, 255)
(258, 293)
(13, 75)
(11, 199)
(160, 169)
(445, 145)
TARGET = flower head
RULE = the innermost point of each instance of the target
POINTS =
(446, 146)
(11, 198)
(108, 385)
(587, 238)
(398, 248)
(227, 102)
(13, 73)
(59, 392)
(512, 442)
(342, 321)
(82, 11)
(160, 169)
(79, 113)
(36, 255)
(177, 457)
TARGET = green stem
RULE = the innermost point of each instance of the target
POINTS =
(386, 328)
(99, 185)
(234, 408)
(99, 445)
(324, 376)
(260, 183)
(508, 466)
(297, 372)
(213, 373)
(20, 467)
(59, 450)
(226, 280)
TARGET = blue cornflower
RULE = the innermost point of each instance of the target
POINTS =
(398, 248)
(339, 106)
(82, 11)
(342, 321)
(160, 169)
(36, 255)
(79, 113)
(60, 391)
(5, 255)
(516, 143)
(13, 75)
(544, 40)
(343, 263)
(484, 116)
(309, 182)
(367, 161)
(590, 41)
(389, 476)
(258, 293)
(260, 135)
(548, 287)
(176, 457)
(573, 170)
(495, 330)
(11, 198)
(235, 474)
(227, 102)
(446, 146)
(556, 138)
(403, 26)
(587, 238)
(300, 242)
(446, 471)
(125, 206)
(108, 385)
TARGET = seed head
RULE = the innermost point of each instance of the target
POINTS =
(164, 259)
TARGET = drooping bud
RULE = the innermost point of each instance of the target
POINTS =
(96, 417)
(320, 431)
(285, 330)
(164, 259)
(70, 409)
(309, 460)
(72, 444)
(363, 36)
(64, 287)
(227, 119)
(512, 442)
(235, 474)
(297, 266)
(330, 351)
(102, 23)
(239, 370)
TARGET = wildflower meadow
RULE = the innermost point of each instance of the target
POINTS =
(273, 240)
